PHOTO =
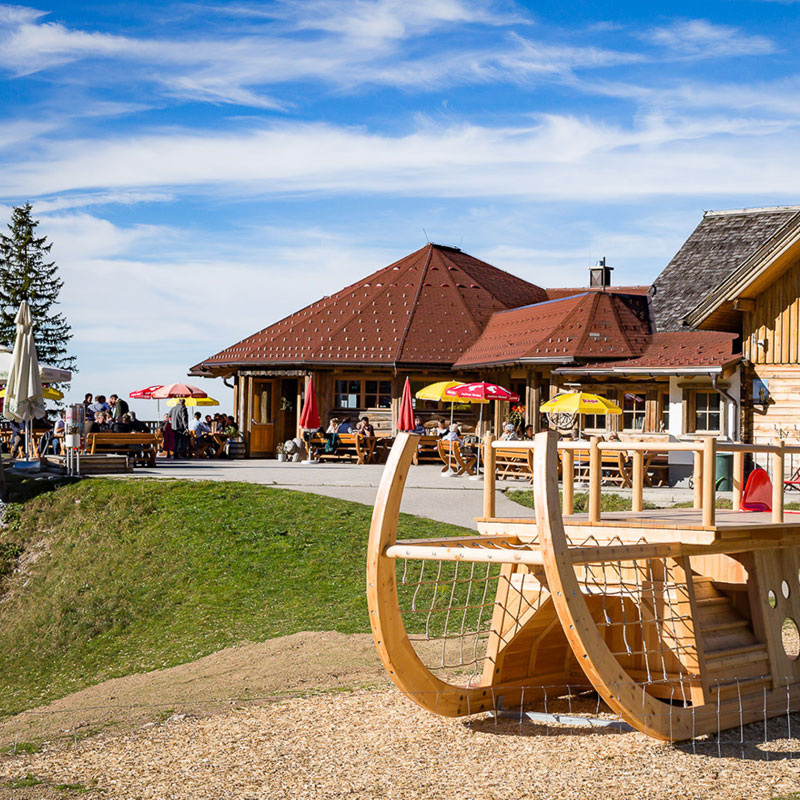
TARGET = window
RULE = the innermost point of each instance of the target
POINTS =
(706, 412)
(598, 422)
(633, 411)
(362, 394)
(377, 394)
(663, 406)
(347, 394)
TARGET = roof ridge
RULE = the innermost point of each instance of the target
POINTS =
(734, 212)
(415, 305)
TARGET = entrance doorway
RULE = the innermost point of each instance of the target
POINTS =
(262, 422)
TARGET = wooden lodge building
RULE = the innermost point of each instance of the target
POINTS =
(711, 347)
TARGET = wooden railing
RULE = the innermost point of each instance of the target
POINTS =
(704, 471)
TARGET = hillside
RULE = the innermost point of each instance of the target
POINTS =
(115, 577)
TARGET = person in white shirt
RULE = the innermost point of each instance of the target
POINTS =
(197, 426)
(452, 434)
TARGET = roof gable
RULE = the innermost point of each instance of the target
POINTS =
(720, 245)
(425, 308)
(586, 326)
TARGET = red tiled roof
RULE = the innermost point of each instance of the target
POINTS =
(558, 294)
(673, 350)
(426, 308)
(585, 326)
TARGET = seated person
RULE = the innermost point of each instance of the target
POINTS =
(452, 434)
(17, 439)
(122, 425)
(364, 428)
(419, 428)
(197, 426)
(529, 431)
(96, 425)
(137, 426)
(345, 426)
(441, 428)
(509, 433)
(59, 429)
(333, 426)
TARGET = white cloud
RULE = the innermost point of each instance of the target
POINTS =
(699, 38)
(555, 156)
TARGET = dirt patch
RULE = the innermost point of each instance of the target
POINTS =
(303, 663)
(377, 744)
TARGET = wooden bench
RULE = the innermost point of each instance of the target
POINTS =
(454, 458)
(656, 469)
(141, 447)
(513, 463)
(349, 447)
(427, 450)
(613, 467)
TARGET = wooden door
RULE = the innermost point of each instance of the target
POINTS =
(262, 421)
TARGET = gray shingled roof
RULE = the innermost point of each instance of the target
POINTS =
(716, 248)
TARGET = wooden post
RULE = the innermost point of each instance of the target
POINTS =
(777, 482)
(738, 478)
(488, 477)
(595, 477)
(637, 480)
(698, 479)
(709, 479)
(568, 481)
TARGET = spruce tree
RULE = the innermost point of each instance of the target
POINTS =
(26, 273)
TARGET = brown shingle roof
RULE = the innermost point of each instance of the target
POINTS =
(716, 248)
(676, 349)
(558, 294)
(585, 326)
(426, 308)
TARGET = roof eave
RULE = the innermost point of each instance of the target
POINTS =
(750, 269)
(707, 370)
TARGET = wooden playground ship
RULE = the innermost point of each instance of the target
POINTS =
(682, 620)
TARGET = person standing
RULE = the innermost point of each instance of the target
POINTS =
(179, 420)
(119, 407)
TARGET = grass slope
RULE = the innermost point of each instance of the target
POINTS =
(119, 577)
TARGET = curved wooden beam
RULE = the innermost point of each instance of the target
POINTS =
(388, 630)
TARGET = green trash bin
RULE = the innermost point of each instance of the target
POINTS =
(724, 472)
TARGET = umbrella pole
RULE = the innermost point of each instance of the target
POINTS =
(480, 431)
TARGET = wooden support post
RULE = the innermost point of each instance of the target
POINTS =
(709, 479)
(738, 478)
(595, 476)
(489, 477)
(568, 481)
(777, 482)
(698, 479)
(637, 480)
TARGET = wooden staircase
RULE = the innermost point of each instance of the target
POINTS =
(733, 662)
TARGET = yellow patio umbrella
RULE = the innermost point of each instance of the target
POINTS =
(194, 401)
(48, 392)
(580, 403)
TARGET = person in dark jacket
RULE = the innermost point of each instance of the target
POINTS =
(179, 419)
(119, 407)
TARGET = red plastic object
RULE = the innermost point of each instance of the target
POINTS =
(757, 495)
(405, 421)
(309, 416)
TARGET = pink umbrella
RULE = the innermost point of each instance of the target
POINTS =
(405, 420)
(481, 391)
(177, 390)
(309, 417)
(146, 393)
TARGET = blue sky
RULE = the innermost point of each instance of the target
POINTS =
(204, 169)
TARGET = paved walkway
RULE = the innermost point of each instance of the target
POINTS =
(428, 494)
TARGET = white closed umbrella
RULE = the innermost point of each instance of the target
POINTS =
(24, 401)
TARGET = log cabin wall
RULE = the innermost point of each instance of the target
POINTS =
(771, 348)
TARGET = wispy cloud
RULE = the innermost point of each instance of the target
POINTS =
(699, 38)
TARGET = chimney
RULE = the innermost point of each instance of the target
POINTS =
(600, 275)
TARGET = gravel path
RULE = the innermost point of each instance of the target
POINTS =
(377, 744)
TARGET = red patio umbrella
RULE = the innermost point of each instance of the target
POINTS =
(177, 390)
(309, 416)
(405, 419)
(482, 391)
(146, 393)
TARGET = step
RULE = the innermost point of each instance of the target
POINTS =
(728, 625)
(741, 688)
(712, 602)
(734, 652)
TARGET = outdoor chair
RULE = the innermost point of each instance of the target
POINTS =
(454, 459)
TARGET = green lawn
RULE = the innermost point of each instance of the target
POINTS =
(126, 576)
